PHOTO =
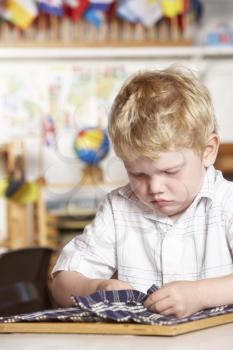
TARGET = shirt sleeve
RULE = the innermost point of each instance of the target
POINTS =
(93, 253)
(227, 219)
(229, 231)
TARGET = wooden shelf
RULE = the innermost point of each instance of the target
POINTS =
(97, 44)
(51, 31)
(101, 52)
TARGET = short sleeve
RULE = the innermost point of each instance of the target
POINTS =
(93, 253)
(229, 231)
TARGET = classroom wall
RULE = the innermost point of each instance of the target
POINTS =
(85, 101)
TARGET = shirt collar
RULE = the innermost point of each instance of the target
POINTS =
(208, 186)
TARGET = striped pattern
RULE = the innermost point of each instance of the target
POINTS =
(112, 306)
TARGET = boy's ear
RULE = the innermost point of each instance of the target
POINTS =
(211, 150)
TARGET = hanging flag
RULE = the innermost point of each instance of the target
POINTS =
(51, 7)
(172, 8)
(75, 8)
(124, 11)
(148, 11)
(185, 6)
(111, 11)
(197, 7)
(181, 16)
(96, 11)
(96, 18)
(101, 5)
(20, 12)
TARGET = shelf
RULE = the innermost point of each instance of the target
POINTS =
(134, 52)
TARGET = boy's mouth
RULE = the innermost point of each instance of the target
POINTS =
(160, 202)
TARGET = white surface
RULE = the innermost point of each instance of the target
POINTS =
(114, 52)
(216, 338)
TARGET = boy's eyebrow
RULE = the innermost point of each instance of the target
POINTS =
(178, 165)
(174, 166)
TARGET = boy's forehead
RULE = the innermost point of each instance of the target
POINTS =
(166, 159)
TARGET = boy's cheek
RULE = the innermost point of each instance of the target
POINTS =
(136, 188)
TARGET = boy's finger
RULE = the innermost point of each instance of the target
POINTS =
(162, 305)
(155, 297)
(168, 312)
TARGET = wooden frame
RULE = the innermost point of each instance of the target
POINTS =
(115, 328)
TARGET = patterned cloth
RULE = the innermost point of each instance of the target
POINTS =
(146, 247)
(112, 306)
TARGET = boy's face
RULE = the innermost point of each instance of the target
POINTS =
(169, 184)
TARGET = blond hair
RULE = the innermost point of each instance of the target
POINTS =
(156, 111)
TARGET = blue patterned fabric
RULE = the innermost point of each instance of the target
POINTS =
(112, 306)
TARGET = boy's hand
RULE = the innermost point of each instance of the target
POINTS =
(181, 299)
(113, 284)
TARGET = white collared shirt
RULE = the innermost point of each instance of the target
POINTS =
(146, 248)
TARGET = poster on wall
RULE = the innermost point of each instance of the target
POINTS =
(74, 95)
(46, 105)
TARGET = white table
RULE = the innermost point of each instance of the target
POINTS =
(216, 338)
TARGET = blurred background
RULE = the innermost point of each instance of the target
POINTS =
(61, 65)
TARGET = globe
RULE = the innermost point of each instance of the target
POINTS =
(91, 145)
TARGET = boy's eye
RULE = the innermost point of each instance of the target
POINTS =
(138, 175)
(171, 172)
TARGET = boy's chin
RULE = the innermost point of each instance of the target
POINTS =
(165, 211)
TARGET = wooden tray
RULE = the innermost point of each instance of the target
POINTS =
(114, 328)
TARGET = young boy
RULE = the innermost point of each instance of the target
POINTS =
(173, 224)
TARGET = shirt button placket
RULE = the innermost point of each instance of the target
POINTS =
(164, 229)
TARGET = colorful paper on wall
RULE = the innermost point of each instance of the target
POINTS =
(148, 11)
(20, 12)
(75, 8)
(52, 7)
(49, 131)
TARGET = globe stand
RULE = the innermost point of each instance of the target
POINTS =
(91, 175)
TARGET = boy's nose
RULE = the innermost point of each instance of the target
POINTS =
(156, 184)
